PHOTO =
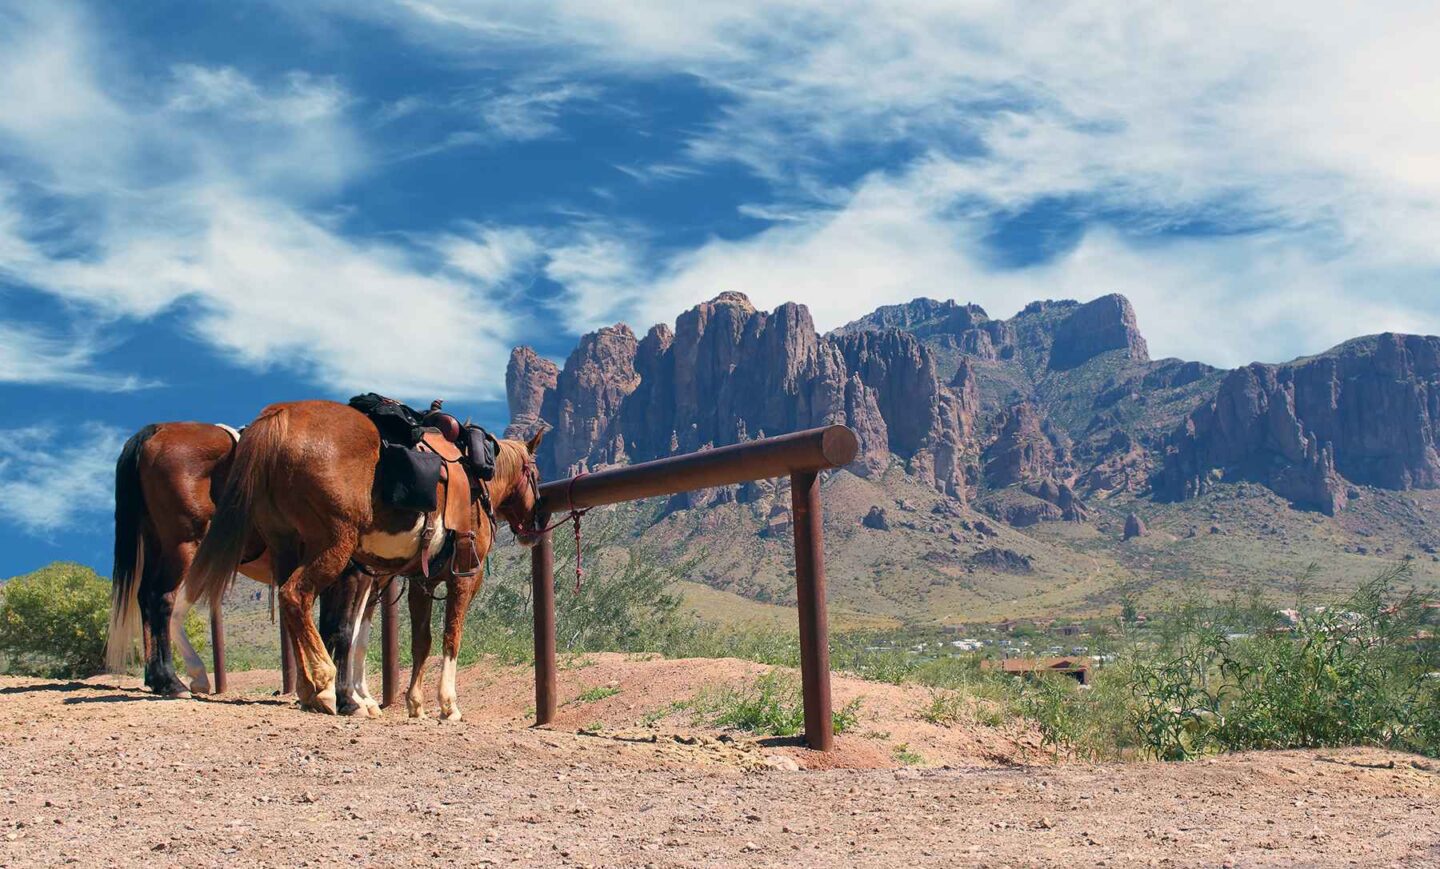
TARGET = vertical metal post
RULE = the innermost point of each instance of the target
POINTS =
(217, 646)
(287, 660)
(810, 595)
(390, 644)
(542, 598)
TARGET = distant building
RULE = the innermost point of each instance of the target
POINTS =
(1075, 667)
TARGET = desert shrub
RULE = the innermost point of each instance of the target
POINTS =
(596, 693)
(1047, 700)
(1351, 674)
(53, 622)
(1360, 672)
(771, 704)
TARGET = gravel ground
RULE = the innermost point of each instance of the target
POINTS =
(100, 773)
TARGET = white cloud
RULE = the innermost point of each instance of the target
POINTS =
(50, 476)
(525, 113)
(897, 238)
(1306, 127)
(30, 355)
(202, 188)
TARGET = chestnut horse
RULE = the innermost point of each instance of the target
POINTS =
(304, 482)
(166, 482)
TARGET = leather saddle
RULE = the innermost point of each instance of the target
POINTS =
(432, 464)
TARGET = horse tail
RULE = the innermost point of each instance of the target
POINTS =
(223, 548)
(128, 570)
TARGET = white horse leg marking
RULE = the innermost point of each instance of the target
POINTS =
(360, 666)
(350, 690)
(449, 708)
(194, 665)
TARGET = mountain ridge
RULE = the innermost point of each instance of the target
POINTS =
(1053, 418)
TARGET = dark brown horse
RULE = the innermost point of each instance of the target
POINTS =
(304, 484)
(166, 483)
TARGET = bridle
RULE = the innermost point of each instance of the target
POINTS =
(531, 472)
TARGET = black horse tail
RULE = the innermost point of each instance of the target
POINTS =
(127, 572)
(223, 548)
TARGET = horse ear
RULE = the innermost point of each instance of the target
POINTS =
(534, 443)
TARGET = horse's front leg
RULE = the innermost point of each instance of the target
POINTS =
(420, 608)
(457, 603)
(342, 609)
(359, 660)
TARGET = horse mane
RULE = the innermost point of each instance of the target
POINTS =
(510, 464)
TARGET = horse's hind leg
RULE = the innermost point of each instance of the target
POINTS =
(462, 589)
(315, 672)
(158, 588)
(194, 664)
(420, 607)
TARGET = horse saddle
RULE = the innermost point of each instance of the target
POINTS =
(415, 448)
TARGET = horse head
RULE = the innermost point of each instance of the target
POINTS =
(520, 505)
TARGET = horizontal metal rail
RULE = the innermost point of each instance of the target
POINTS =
(814, 449)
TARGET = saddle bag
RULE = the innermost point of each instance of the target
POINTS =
(408, 479)
(396, 422)
(480, 449)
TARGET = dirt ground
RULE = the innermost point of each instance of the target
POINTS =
(100, 773)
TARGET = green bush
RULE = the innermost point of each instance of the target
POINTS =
(1208, 678)
(771, 705)
(53, 622)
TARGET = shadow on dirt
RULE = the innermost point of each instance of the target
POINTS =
(62, 686)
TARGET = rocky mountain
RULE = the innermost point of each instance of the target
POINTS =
(1365, 412)
(1056, 417)
(728, 373)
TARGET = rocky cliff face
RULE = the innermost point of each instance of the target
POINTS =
(529, 380)
(729, 373)
(1107, 323)
(1364, 412)
(1035, 414)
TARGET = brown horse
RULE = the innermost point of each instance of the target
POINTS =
(166, 482)
(304, 483)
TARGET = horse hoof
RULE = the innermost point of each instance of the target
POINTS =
(452, 715)
(200, 686)
(372, 710)
(325, 702)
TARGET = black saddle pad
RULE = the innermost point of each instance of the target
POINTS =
(396, 422)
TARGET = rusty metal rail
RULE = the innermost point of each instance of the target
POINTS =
(801, 456)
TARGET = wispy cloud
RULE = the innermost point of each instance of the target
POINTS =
(211, 187)
(897, 237)
(1300, 133)
(31, 355)
(522, 110)
(52, 476)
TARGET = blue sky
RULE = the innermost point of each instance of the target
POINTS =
(206, 207)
